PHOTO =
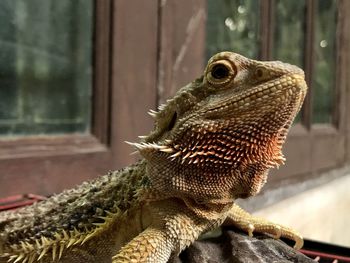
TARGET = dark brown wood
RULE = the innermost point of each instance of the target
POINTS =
(328, 140)
(182, 44)
(328, 149)
(134, 73)
(342, 61)
(267, 19)
(309, 60)
(46, 175)
(41, 146)
(344, 77)
(102, 72)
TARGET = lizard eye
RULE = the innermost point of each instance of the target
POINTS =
(220, 73)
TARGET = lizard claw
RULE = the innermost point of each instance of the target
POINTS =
(250, 230)
(299, 242)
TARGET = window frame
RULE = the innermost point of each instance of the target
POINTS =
(48, 164)
(129, 80)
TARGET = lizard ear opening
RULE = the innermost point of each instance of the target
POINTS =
(172, 121)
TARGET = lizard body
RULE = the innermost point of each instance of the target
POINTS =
(212, 143)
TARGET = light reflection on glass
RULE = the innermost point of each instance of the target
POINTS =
(233, 26)
(325, 61)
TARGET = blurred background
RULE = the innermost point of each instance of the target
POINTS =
(77, 78)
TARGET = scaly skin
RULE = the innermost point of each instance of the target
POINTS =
(214, 142)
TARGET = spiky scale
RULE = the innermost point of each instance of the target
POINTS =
(54, 251)
(167, 150)
(175, 154)
(186, 156)
(19, 258)
(38, 244)
(61, 248)
(44, 241)
(152, 113)
(65, 234)
(42, 253)
(31, 258)
(71, 242)
(12, 258)
(88, 237)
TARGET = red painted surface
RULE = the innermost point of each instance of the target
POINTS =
(16, 201)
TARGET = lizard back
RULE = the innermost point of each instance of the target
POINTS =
(75, 214)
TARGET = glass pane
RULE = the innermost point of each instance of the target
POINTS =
(289, 17)
(289, 32)
(325, 61)
(45, 66)
(232, 25)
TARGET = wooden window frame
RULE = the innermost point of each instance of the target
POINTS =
(48, 164)
(140, 61)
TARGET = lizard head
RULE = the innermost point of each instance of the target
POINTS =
(219, 135)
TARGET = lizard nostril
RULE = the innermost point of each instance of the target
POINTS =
(259, 72)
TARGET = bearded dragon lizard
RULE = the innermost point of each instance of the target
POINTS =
(212, 143)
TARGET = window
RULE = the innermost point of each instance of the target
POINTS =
(233, 25)
(66, 99)
(46, 67)
(122, 65)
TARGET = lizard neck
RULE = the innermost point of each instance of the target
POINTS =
(205, 186)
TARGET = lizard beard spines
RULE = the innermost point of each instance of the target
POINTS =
(151, 147)
(220, 144)
(222, 148)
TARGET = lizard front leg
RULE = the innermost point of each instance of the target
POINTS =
(249, 223)
(163, 239)
(152, 245)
